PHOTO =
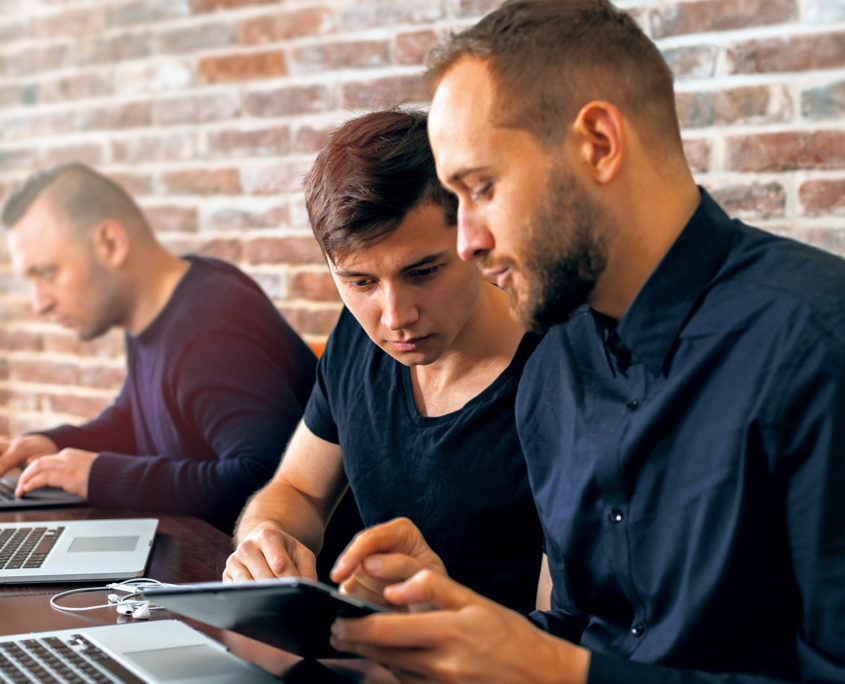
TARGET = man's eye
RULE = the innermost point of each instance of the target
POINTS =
(46, 273)
(358, 284)
(424, 273)
(481, 192)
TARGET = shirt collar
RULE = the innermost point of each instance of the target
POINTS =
(661, 308)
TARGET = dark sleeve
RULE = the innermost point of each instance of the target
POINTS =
(112, 430)
(244, 408)
(803, 435)
(318, 412)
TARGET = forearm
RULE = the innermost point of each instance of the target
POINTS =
(283, 505)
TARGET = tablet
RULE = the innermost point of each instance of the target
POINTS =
(293, 613)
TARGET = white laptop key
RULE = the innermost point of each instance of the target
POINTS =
(138, 653)
(75, 550)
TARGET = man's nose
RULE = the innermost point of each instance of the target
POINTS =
(42, 301)
(400, 311)
(475, 241)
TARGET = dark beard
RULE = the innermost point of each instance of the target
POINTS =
(564, 258)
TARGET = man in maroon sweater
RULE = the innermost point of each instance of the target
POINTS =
(216, 382)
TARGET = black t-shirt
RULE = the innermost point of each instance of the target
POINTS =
(461, 478)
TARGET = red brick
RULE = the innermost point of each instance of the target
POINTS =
(14, 94)
(172, 219)
(20, 158)
(110, 49)
(243, 67)
(228, 250)
(756, 199)
(35, 59)
(273, 284)
(73, 404)
(33, 125)
(822, 197)
(698, 155)
(130, 115)
(133, 183)
(475, 8)
(5, 427)
(103, 377)
(798, 53)
(147, 148)
(229, 218)
(719, 15)
(318, 347)
(45, 372)
(193, 38)
(786, 151)
(310, 139)
(272, 180)
(89, 153)
(148, 11)
(14, 29)
(203, 181)
(824, 102)
(290, 100)
(258, 142)
(310, 321)
(275, 250)
(172, 74)
(4, 369)
(195, 109)
(19, 340)
(318, 287)
(19, 400)
(830, 239)
(71, 22)
(76, 87)
(335, 56)
(287, 25)
(357, 15)
(203, 6)
(385, 91)
(757, 104)
(698, 61)
(413, 48)
(20, 424)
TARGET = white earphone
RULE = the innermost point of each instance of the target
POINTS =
(126, 605)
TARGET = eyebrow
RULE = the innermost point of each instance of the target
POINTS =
(459, 175)
(410, 267)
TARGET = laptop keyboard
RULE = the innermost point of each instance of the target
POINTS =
(26, 547)
(54, 661)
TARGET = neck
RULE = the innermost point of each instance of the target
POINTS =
(157, 275)
(646, 228)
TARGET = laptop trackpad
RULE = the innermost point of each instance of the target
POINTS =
(91, 544)
(185, 662)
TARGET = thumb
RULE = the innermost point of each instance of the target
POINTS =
(431, 590)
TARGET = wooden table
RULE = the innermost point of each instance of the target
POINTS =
(185, 550)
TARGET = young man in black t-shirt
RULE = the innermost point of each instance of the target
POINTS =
(413, 404)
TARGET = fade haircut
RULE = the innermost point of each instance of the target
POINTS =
(83, 196)
(548, 58)
(373, 171)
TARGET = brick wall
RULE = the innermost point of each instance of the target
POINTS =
(209, 112)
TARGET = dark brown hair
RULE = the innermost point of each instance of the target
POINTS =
(373, 170)
(549, 58)
(84, 196)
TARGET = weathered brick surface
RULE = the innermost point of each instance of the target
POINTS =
(211, 111)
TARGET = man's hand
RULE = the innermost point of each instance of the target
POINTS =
(268, 552)
(466, 639)
(68, 470)
(383, 555)
(22, 450)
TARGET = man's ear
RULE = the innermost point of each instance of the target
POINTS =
(599, 135)
(111, 243)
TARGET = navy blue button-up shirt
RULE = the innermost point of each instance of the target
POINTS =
(688, 465)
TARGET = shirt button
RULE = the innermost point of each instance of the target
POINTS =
(638, 630)
(615, 515)
(632, 405)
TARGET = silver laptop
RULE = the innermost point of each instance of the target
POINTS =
(38, 498)
(138, 653)
(71, 550)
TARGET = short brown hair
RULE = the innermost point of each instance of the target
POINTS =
(373, 170)
(549, 58)
(83, 195)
